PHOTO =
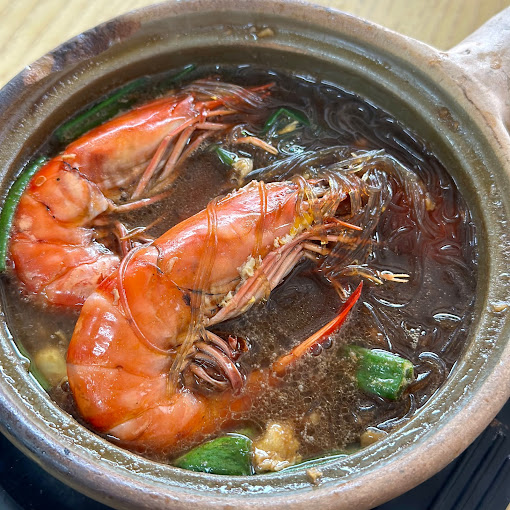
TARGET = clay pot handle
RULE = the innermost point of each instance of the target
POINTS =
(485, 58)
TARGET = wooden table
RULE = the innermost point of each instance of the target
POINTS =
(30, 28)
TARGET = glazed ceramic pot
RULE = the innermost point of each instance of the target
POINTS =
(458, 101)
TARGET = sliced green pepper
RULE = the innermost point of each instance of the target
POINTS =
(380, 372)
(227, 455)
(11, 203)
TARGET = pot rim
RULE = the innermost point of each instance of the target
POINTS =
(22, 424)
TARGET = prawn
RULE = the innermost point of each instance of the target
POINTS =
(55, 246)
(143, 365)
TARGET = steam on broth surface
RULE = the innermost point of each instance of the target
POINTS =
(424, 320)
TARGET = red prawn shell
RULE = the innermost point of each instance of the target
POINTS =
(124, 344)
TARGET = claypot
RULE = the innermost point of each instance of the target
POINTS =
(458, 101)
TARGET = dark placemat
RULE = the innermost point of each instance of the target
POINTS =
(477, 480)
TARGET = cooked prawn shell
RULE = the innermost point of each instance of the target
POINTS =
(148, 324)
(54, 247)
(139, 328)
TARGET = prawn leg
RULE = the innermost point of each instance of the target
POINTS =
(271, 272)
(268, 275)
(281, 365)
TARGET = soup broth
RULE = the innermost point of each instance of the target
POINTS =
(424, 320)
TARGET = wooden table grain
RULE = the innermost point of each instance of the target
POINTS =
(30, 28)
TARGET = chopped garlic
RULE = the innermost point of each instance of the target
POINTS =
(371, 436)
(116, 296)
(314, 418)
(289, 128)
(280, 241)
(277, 448)
(314, 475)
(226, 299)
(429, 203)
(249, 267)
(242, 167)
(265, 32)
(52, 364)
(500, 306)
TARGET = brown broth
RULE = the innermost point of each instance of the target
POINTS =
(425, 320)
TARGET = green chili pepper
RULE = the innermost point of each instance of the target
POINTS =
(11, 203)
(281, 114)
(227, 455)
(380, 372)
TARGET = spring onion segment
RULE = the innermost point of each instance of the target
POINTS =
(283, 116)
(123, 99)
(33, 369)
(11, 203)
(226, 157)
